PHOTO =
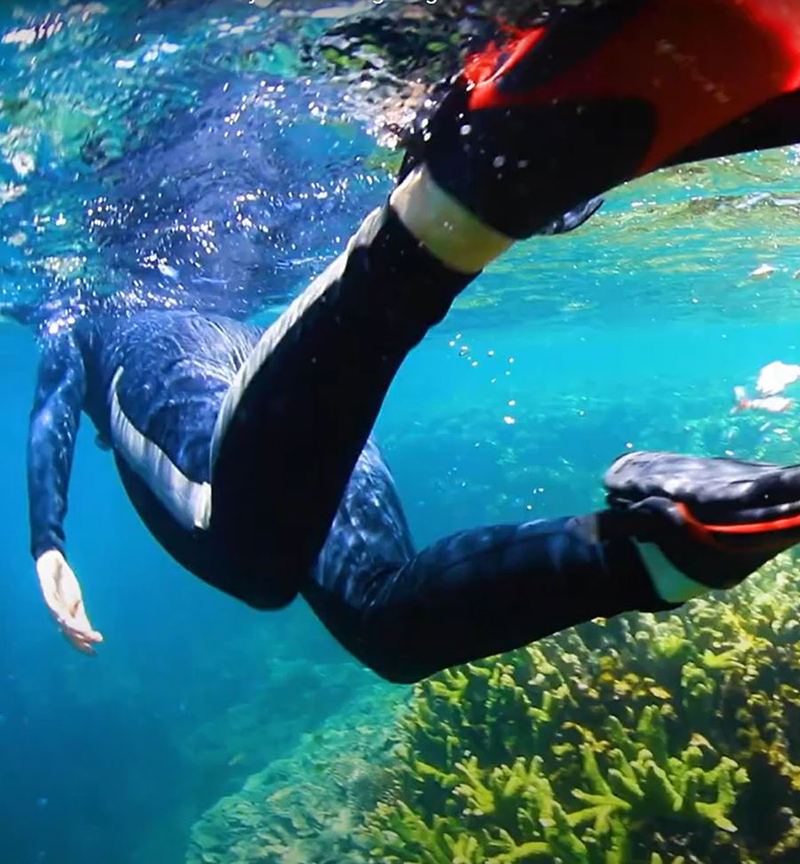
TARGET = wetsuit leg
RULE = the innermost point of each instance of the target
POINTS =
(477, 593)
(528, 133)
(302, 407)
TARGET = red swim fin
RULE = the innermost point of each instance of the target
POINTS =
(701, 64)
(558, 114)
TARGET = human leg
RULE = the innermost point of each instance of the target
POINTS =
(483, 591)
(302, 407)
(527, 133)
(678, 526)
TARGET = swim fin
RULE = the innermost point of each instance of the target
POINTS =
(716, 520)
(546, 118)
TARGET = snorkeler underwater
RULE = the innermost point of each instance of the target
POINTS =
(179, 186)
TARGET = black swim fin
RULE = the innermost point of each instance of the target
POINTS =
(717, 520)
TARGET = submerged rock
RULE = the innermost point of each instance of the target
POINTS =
(308, 807)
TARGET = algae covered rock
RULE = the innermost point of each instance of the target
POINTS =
(308, 808)
(642, 739)
(246, 734)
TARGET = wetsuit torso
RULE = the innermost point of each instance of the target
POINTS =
(152, 384)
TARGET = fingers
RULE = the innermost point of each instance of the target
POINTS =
(62, 594)
(76, 627)
(78, 641)
(78, 631)
(73, 622)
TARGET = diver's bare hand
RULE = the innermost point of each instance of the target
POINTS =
(62, 593)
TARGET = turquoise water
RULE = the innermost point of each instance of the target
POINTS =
(116, 172)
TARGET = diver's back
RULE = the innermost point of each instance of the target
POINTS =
(167, 373)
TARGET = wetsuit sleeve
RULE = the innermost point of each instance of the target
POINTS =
(60, 391)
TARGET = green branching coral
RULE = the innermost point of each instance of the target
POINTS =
(642, 740)
(670, 739)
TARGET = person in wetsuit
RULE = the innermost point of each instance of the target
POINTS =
(248, 454)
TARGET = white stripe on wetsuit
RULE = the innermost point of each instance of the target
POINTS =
(273, 335)
(187, 501)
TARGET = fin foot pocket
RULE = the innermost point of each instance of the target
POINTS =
(729, 501)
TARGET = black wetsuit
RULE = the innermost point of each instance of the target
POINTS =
(248, 456)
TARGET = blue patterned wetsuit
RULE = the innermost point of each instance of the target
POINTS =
(247, 454)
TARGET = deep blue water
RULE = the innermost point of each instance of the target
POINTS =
(632, 332)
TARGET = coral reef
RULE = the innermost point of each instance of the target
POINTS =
(640, 739)
(645, 739)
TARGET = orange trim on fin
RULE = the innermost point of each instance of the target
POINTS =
(743, 528)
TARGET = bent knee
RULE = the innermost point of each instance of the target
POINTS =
(261, 592)
(268, 602)
(392, 659)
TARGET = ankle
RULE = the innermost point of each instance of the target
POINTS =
(444, 226)
(643, 570)
(669, 583)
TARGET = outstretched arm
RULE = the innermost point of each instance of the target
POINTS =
(60, 391)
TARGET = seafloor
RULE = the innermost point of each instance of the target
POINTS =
(666, 741)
